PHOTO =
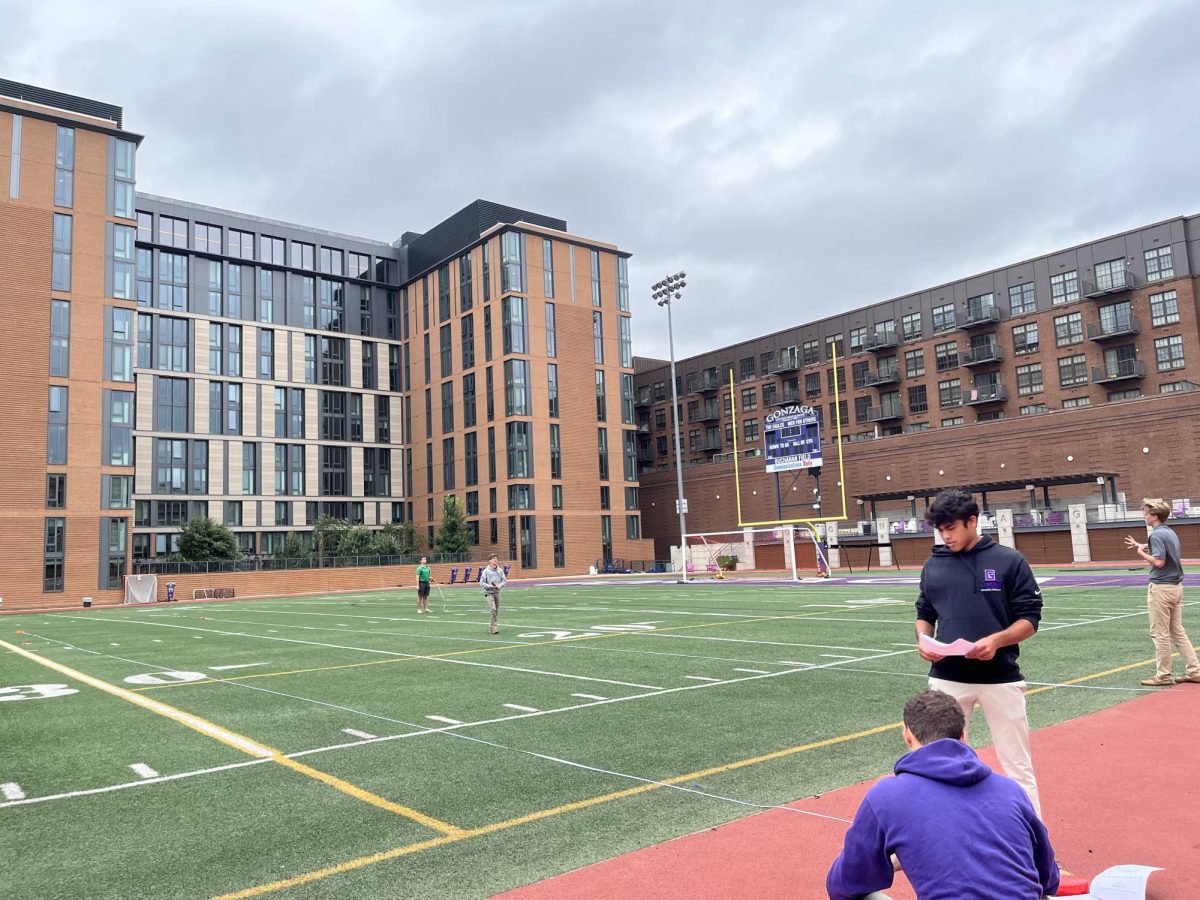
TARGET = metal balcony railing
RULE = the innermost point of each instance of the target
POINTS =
(875, 379)
(988, 393)
(978, 318)
(1122, 326)
(1121, 371)
(786, 363)
(888, 413)
(979, 356)
(1116, 283)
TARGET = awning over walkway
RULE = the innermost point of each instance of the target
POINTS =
(992, 487)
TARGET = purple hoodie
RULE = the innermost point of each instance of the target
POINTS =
(960, 830)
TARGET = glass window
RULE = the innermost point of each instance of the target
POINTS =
(1164, 308)
(1064, 288)
(60, 272)
(56, 451)
(1025, 338)
(1068, 329)
(1029, 378)
(1072, 370)
(1022, 298)
(914, 363)
(1159, 264)
(910, 326)
(943, 317)
(1168, 353)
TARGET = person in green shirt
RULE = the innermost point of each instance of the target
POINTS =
(423, 586)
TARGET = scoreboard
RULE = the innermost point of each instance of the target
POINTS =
(792, 435)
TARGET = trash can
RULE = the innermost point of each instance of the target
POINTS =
(170, 591)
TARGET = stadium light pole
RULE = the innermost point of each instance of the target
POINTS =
(666, 291)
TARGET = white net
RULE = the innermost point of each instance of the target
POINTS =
(722, 553)
(141, 588)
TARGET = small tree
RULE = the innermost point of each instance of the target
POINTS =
(203, 539)
(452, 537)
(292, 547)
(387, 542)
(327, 535)
(357, 541)
(408, 540)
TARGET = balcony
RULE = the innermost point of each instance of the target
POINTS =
(645, 454)
(979, 318)
(708, 445)
(1124, 326)
(1117, 283)
(877, 342)
(786, 363)
(1124, 370)
(982, 356)
(878, 379)
(787, 398)
(707, 383)
(643, 428)
(643, 399)
(888, 413)
(706, 415)
(988, 393)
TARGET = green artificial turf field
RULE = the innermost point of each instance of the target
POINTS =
(345, 746)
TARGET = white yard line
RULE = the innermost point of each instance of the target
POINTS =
(239, 666)
(521, 708)
(838, 656)
(392, 653)
(444, 719)
(589, 696)
(702, 678)
(752, 671)
(359, 734)
(12, 791)
(144, 771)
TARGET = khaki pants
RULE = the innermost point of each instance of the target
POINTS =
(1004, 709)
(493, 602)
(1165, 604)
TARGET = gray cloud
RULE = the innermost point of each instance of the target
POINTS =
(796, 158)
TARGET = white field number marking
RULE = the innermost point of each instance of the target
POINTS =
(35, 691)
(169, 677)
(593, 631)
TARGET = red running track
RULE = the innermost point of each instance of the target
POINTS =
(1118, 786)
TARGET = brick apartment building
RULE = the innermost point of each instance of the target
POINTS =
(1080, 364)
(175, 360)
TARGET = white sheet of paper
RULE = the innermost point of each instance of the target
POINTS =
(957, 647)
(1121, 883)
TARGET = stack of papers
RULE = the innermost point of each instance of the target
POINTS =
(957, 647)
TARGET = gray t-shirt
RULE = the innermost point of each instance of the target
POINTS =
(1164, 544)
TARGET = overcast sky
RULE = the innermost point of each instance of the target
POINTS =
(796, 158)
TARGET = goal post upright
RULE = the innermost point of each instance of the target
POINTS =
(737, 480)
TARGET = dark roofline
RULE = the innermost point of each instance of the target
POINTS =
(69, 102)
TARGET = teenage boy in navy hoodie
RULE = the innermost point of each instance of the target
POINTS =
(973, 588)
(956, 828)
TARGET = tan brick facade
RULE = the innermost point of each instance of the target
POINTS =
(26, 230)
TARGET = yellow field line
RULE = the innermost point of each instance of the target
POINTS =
(454, 653)
(238, 742)
(505, 825)
(484, 830)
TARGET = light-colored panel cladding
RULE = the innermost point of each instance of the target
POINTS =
(145, 406)
(297, 341)
(267, 408)
(356, 355)
(312, 422)
(201, 331)
(216, 468)
(142, 480)
(202, 405)
(369, 419)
